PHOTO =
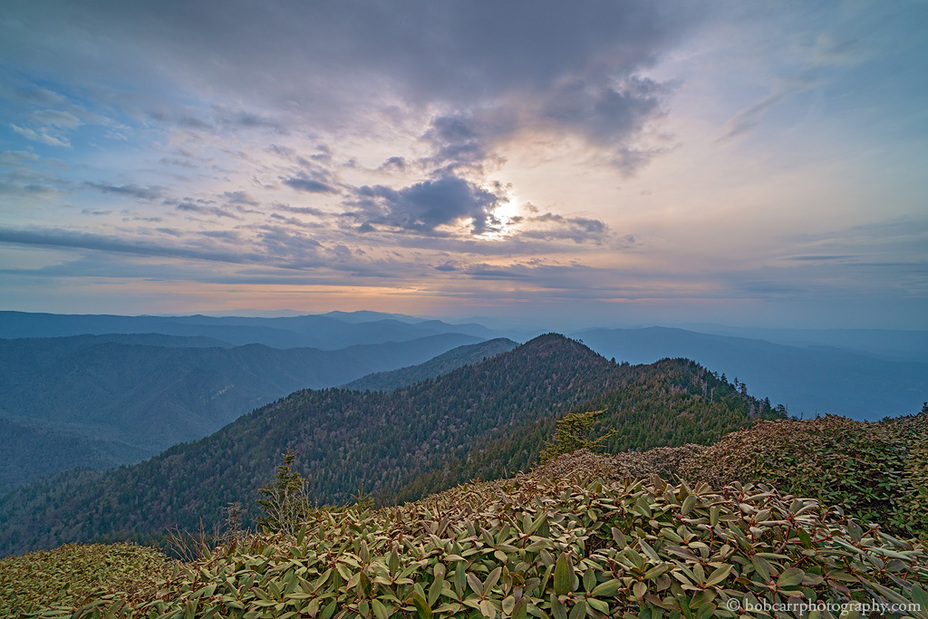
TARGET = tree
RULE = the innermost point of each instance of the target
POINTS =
(572, 433)
(284, 501)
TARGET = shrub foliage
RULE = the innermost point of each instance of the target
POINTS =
(876, 471)
(75, 574)
(563, 546)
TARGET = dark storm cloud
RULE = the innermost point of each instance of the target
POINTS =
(131, 190)
(425, 206)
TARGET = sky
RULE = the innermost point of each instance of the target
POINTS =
(607, 163)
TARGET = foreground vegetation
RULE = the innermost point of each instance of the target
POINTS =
(75, 574)
(876, 471)
(576, 538)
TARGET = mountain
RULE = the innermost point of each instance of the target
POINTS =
(433, 368)
(480, 421)
(326, 332)
(808, 380)
(33, 450)
(127, 397)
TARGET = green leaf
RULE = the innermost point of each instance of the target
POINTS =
(563, 576)
(790, 578)
(607, 589)
(422, 607)
(920, 597)
(380, 611)
(721, 573)
(598, 605)
(578, 611)
(557, 608)
(619, 538)
(329, 610)
(688, 504)
(475, 584)
(509, 603)
(492, 579)
(435, 590)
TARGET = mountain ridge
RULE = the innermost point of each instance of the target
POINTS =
(120, 390)
(478, 421)
(433, 368)
(808, 380)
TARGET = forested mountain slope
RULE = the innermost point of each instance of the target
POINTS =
(126, 397)
(479, 421)
(809, 380)
(433, 368)
(33, 450)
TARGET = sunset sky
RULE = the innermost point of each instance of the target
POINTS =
(611, 163)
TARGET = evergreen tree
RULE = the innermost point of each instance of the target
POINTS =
(572, 433)
(285, 503)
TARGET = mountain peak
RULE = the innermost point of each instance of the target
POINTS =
(561, 346)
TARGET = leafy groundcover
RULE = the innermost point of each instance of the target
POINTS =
(538, 547)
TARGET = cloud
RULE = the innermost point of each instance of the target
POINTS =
(749, 117)
(293, 221)
(551, 226)
(359, 62)
(57, 118)
(425, 206)
(397, 164)
(308, 185)
(131, 190)
(201, 207)
(12, 189)
(465, 141)
(108, 243)
(240, 197)
(301, 210)
(17, 157)
(821, 258)
(448, 267)
(41, 136)
(606, 110)
(609, 113)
